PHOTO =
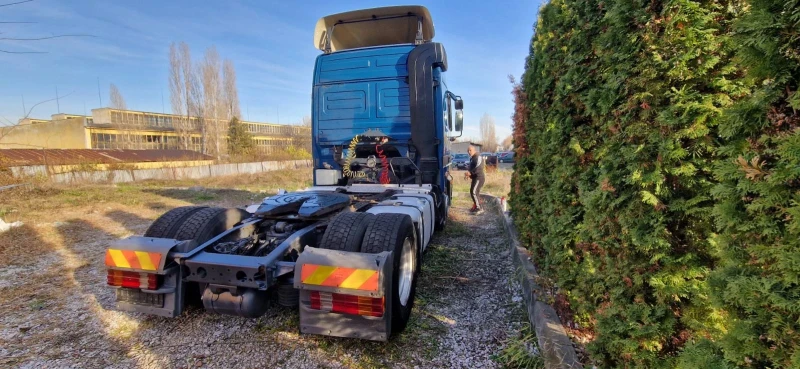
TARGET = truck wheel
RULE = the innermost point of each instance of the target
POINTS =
(201, 227)
(395, 232)
(168, 223)
(208, 223)
(346, 231)
(441, 222)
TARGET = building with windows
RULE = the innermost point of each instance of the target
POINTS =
(109, 128)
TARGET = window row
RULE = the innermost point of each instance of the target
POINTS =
(139, 141)
(148, 120)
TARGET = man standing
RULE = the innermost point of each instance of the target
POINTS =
(476, 172)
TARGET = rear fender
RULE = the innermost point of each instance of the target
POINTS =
(346, 273)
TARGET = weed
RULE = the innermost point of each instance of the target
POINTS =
(521, 351)
(37, 304)
(455, 229)
(205, 196)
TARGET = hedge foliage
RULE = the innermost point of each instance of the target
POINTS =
(659, 187)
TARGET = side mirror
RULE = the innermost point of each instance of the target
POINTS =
(459, 120)
(459, 104)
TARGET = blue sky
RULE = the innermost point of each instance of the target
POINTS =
(270, 42)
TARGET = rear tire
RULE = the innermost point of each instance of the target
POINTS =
(202, 226)
(207, 223)
(395, 232)
(168, 223)
(346, 231)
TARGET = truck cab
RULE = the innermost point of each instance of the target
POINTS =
(382, 111)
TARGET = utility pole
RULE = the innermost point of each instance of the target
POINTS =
(24, 109)
(58, 104)
(98, 92)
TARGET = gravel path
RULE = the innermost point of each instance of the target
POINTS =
(59, 313)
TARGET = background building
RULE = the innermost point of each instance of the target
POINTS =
(461, 147)
(109, 128)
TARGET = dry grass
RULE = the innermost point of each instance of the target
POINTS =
(498, 182)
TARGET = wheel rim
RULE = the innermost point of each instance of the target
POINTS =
(407, 260)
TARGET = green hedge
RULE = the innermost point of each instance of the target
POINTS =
(757, 280)
(641, 119)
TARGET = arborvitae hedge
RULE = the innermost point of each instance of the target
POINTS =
(757, 279)
(659, 189)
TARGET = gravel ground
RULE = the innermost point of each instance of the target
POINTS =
(57, 311)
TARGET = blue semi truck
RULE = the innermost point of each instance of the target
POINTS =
(347, 251)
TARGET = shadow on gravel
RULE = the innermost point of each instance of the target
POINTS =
(132, 222)
(157, 206)
(210, 195)
(63, 313)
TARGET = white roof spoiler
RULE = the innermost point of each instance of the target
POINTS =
(374, 27)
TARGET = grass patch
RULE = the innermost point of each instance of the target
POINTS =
(5, 210)
(521, 351)
(497, 183)
(456, 229)
(204, 197)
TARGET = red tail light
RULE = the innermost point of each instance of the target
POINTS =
(347, 304)
(132, 279)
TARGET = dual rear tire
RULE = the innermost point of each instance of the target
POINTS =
(371, 234)
(198, 223)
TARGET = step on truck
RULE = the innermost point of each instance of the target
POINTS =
(347, 251)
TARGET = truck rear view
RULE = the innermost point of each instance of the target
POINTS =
(347, 251)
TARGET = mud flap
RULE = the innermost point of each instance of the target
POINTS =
(349, 274)
(148, 255)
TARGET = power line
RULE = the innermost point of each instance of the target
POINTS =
(41, 38)
(19, 2)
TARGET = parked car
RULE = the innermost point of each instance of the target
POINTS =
(506, 157)
(491, 158)
(461, 161)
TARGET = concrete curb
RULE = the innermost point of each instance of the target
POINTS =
(555, 345)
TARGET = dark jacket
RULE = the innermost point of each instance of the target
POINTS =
(476, 166)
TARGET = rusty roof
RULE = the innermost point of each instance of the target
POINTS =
(20, 157)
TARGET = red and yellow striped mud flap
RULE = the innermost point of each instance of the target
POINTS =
(349, 278)
(130, 259)
(333, 276)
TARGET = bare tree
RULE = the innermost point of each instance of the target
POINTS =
(488, 134)
(306, 121)
(213, 121)
(117, 101)
(230, 92)
(177, 97)
(508, 142)
(185, 94)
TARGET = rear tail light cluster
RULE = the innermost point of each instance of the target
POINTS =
(347, 304)
(120, 278)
